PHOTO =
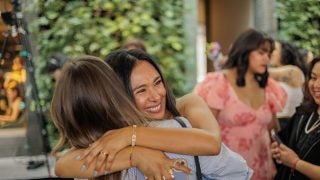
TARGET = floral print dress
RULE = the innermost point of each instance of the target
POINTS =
(243, 128)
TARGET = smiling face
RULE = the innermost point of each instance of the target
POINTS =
(148, 90)
(259, 58)
(314, 83)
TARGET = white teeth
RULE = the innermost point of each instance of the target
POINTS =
(153, 109)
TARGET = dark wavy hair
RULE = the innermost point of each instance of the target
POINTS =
(290, 55)
(309, 104)
(123, 61)
(247, 42)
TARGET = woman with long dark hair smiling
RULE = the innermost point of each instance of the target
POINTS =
(298, 156)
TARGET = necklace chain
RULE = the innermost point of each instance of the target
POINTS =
(313, 127)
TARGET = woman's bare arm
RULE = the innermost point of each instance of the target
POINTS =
(68, 165)
(203, 139)
(150, 162)
(289, 74)
(199, 142)
(196, 110)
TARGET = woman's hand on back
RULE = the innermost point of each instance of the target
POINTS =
(154, 164)
(106, 147)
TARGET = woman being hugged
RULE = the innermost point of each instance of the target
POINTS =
(245, 100)
(299, 153)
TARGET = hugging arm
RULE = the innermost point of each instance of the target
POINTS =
(152, 163)
(203, 139)
(68, 165)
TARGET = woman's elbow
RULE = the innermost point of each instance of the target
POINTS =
(216, 145)
(217, 148)
(60, 170)
(57, 171)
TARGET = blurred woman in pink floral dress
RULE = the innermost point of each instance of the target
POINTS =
(245, 100)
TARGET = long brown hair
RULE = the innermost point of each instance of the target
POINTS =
(89, 100)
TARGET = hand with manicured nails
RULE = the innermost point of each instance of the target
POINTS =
(155, 165)
(102, 152)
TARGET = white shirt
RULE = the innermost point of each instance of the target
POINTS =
(295, 97)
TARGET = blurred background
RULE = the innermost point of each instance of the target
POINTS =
(185, 36)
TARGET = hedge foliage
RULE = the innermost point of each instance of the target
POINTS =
(97, 27)
(299, 22)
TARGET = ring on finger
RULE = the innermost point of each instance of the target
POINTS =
(103, 153)
(179, 161)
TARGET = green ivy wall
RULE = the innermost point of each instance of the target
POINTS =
(97, 27)
(299, 22)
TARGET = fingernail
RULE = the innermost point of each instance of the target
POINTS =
(106, 172)
(83, 168)
(77, 158)
(95, 173)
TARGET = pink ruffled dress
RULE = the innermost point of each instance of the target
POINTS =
(244, 129)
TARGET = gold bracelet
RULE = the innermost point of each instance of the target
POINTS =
(134, 135)
(130, 156)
